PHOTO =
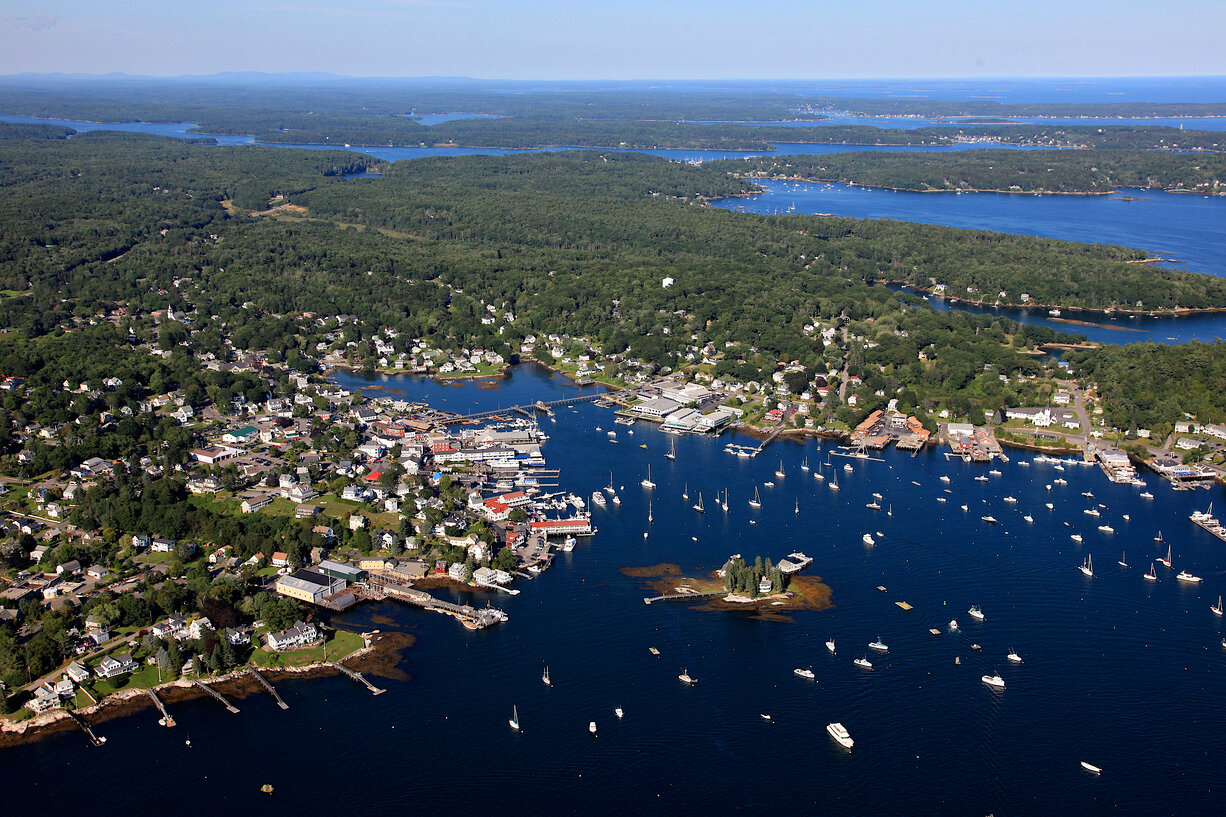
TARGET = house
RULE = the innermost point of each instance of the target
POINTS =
(300, 635)
(280, 559)
(200, 628)
(240, 436)
(765, 586)
(254, 502)
(114, 666)
(98, 572)
(160, 545)
(170, 628)
(68, 568)
(213, 454)
(44, 699)
(236, 637)
(78, 672)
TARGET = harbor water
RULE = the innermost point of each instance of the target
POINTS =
(1119, 672)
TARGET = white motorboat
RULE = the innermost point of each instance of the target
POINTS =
(994, 472)
(876, 506)
(953, 625)
(1091, 512)
(1185, 576)
(591, 728)
(1106, 529)
(1014, 657)
(840, 735)
(1091, 768)
(619, 712)
(945, 480)
(598, 499)
(1087, 567)
(1060, 481)
(878, 645)
(965, 508)
(863, 662)
(989, 519)
(804, 673)
(686, 678)
(876, 495)
(975, 613)
(994, 681)
(514, 721)
(867, 539)
(1076, 537)
(981, 478)
(1088, 494)
(615, 499)
(1049, 506)
(830, 645)
(847, 467)
(1146, 495)
(1012, 500)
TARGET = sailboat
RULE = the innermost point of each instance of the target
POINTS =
(1166, 561)
(890, 512)
(545, 677)
(514, 721)
(779, 471)
(1087, 567)
(699, 507)
(1152, 575)
(609, 488)
(1158, 538)
(724, 504)
(1217, 611)
(834, 484)
(804, 464)
(685, 492)
(647, 483)
(649, 517)
(756, 502)
(798, 506)
(1122, 562)
(830, 645)
(672, 452)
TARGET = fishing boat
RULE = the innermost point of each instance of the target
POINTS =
(994, 681)
(686, 678)
(1165, 561)
(830, 645)
(672, 451)
(1152, 575)
(1076, 537)
(1217, 608)
(1087, 567)
(779, 471)
(646, 482)
(1091, 768)
(975, 613)
(1122, 562)
(867, 539)
(840, 735)
(804, 673)
(514, 721)
(1014, 657)
(545, 677)
(756, 502)
(1185, 576)
(863, 662)
(699, 506)
(878, 645)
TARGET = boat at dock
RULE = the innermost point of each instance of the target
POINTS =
(1207, 521)
(840, 735)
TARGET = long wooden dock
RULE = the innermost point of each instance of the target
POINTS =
(166, 720)
(359, 677)
(229, 706)
(271, 690)
(524, 409)
(86, 728)
(684, 596)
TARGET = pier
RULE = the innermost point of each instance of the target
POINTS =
(166, 720)
(359, 677)
(271, 690)
(527, 409)
(380, 587)
(770, 438)
(683, 596)
(221, 698)
(86, 728)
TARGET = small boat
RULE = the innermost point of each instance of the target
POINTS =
(591, 728)
(1152, 575)
(981, 478)
(834, 484)
(779, 471)
(1014, 657)
(1087, 494)
(1076, 537)
(672, 452)
(804, 673)
(769, 484)
(1028, 518)
(1165, 560)
(994, 681)
(876, 495)
(1122, 562)
(1091, 512)
(1091, 768)
(1049, 506)
(1158, 538)
(989, 519)
(847, 467)
(1012, 500)
(685, 492)
(994, 472)
(1060, 481)
(945, 480)
(976, 647)
(1146, 495)
(939, 499)
(644, 445)
(1127, 518)
(830, 645)
(699, 506)
(514, 721)
(756, 502)
(646, 482)
(953, 625)
(686, 678)
(890, 510)
(1087, 567)
(863, 662)
(804, 464)
(619, 712)
(840, 735)
(766, 717)
(1185, 576)
(1217, 609)
(876, 506)
(615, 499)
(878, 645)
(819, 476)
(653, 650)
(545, 677)
(724, 503)
(1106, 529)
(797, 510)
(975, 613)
(965, 508)
(867, 539)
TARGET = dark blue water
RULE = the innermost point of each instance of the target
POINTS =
(1188, 228)
(1118, 672)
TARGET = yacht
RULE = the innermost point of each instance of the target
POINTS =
(840, 735)
(779, 471)
(1076, 537)
(615, 499)
(768, 484)
(514, 721)
(939, 499)
(863, 662)
(756, 502)
(647, 483)
(1152, 575)
(1185, 576)
(545, 677)
(609, 489)
(1146, 495)
(1106, 529)
(1012, 500)
(804, 673)
(1092, 512)
(1217, 609)
(994, 681)
(1014, 657)
(598, 499)
(699, 506)
(975, 612)
(830, 645)
(867, 539)
(686, 678)
(876, 495)
(1087, 567)
(990, 519)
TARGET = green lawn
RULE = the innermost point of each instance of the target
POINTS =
(340, 643)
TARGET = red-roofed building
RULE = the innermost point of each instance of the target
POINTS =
(561, 526)
(494, 510)
(515, 499)
(373, 476)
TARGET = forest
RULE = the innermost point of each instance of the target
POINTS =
(1057, 171)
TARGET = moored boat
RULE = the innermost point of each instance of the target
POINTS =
(840, 735)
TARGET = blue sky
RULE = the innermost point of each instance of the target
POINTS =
(582, 39)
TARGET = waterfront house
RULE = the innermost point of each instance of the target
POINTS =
(765, 586)
(300, 635)
(114, 666)
(78, 672)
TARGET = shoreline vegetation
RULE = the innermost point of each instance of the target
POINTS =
(379, 657)
(804, 592)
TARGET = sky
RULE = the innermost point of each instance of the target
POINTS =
(628, 39)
